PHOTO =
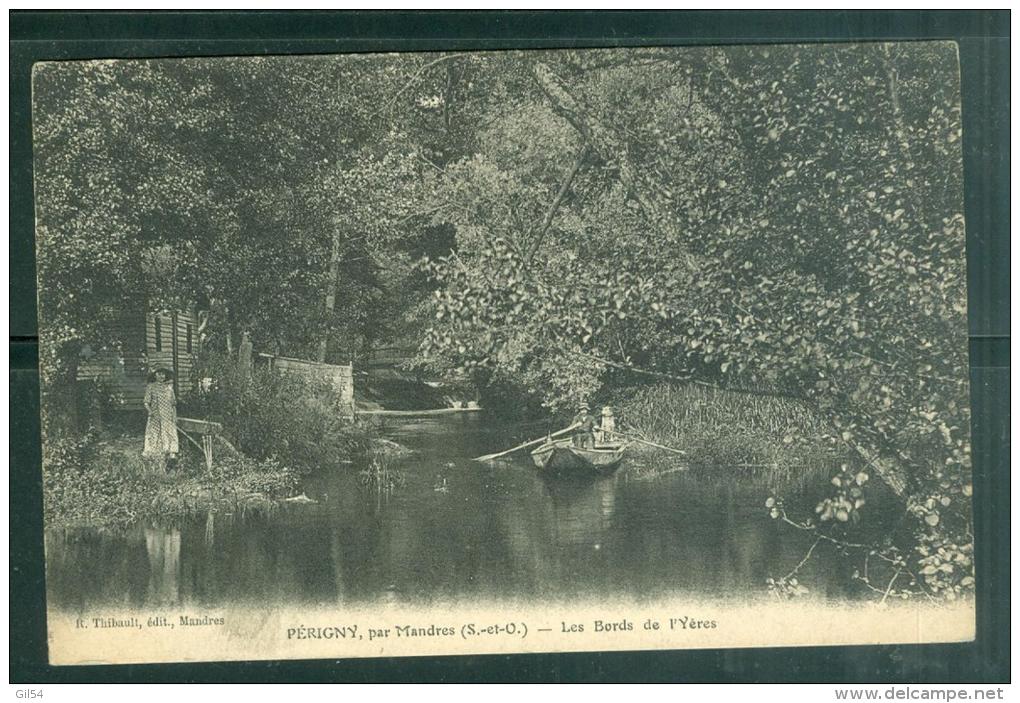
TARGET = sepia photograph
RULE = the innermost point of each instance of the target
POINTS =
(406, 354)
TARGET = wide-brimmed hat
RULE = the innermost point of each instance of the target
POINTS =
(584, 406)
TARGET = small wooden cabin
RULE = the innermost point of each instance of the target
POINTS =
(142, 341)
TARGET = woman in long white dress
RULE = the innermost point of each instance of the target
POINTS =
(161, 429)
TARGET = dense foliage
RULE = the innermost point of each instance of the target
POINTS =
(269, 415)
(779, 218)
(782, 220)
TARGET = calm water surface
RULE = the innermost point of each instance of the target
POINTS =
(454, 530)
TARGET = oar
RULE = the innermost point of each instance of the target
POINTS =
(487, 457)
(651, 444)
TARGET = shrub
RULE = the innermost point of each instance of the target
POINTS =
(84, 484)
(271, 415)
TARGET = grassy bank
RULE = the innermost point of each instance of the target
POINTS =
(275, 428)
(720, 428)
(105, 481)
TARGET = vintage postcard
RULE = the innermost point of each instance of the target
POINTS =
(519, 351)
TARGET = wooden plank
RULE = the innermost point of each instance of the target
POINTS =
(184, 357)
(175, 355)
(203, 427)
(301, 362)
(129, 393)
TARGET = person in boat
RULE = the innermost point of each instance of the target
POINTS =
(584, 432)
(607, 426)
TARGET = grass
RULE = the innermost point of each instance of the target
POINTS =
(717, 428)
(106, 482)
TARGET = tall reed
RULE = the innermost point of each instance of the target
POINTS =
(717, 427)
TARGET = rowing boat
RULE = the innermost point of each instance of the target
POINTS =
(562, 457)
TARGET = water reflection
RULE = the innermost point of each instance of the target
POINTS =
(163, 547)
(453, 529)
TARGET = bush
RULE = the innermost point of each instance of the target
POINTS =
(84, 485)
(269, 415)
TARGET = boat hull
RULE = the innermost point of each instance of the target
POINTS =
(564, 458)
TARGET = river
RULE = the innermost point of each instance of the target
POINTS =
(444, 528)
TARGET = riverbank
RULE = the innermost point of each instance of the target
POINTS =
(726, 429)
(104, 481)
(412, 529)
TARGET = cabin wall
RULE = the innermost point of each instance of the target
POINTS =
(171, 342)
(139, 343)
(119, 366)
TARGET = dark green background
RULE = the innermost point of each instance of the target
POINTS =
(983, 38)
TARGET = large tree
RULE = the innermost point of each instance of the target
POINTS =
(179, 181)
(786, 219)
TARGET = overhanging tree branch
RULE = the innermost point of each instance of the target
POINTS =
(554, 205)
(687, 378)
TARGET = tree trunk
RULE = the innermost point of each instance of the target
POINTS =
(229, 329)
(332, 281)
(244, 355)
(564, 187)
